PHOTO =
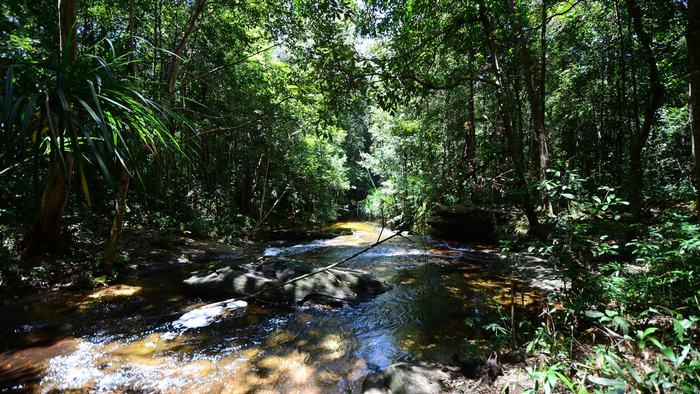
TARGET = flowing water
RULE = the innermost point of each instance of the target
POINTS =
(122, 337)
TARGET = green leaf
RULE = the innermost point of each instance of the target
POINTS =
(622, 324)
(594, 314)
(656, 343)
(650, 330)
(670, 355)
(613, 364)
(565, 380)
(632, 372)
(606, 381)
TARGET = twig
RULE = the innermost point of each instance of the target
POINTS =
(19, 164)
(262, 219)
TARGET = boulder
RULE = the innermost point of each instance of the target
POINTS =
(332, 287)
(404, 377)
(470, 222)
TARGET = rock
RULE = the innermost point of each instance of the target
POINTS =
(470, 223)
(332, 287)
(206, 315)
(473, 368)
(404, 377)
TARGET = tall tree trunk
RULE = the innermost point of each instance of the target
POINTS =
(110, 252)
(131, 29)
(470, 126)
(533, 97)
(543, 138)
(179, 50)
(53, 201)
(693, 41)
(471, 132)
(656, 90)
(67, 10)
(504, 105)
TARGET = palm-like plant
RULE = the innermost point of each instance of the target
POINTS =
(74, 111)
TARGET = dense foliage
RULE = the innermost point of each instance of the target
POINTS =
(231, 118)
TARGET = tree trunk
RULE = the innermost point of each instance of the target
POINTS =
(131, 29)
(655, 95)
(533, 96)
(504, 105)
(67, 10)
(48, 227)
(470, 126)
(53, 201)
(543, 139)
(110, 252)
(174, 69)
(114, 234)
(693, 41)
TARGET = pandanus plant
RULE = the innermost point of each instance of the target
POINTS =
(76, 112)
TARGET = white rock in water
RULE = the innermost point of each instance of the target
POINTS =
(207, 314)
(236, 304)
(269, 252)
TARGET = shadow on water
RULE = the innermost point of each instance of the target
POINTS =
(122, 337)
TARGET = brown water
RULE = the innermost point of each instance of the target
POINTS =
(121, 338)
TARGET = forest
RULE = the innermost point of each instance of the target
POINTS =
(352, 196)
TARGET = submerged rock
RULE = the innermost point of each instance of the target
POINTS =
(332, 287)
(403, 377)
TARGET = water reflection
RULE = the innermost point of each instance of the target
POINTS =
(127, 337)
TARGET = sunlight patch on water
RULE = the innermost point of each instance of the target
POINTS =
(147, 365)
(74, 370)
(363, 234)
(367, 227)
(116, 291)
(378, 252)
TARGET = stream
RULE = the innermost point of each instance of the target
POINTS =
(122, 338)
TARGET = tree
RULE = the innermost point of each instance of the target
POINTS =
(61, 164)
(693, 42)
(506, 114)
(88, 113)
(655, 94)
(535, 93)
